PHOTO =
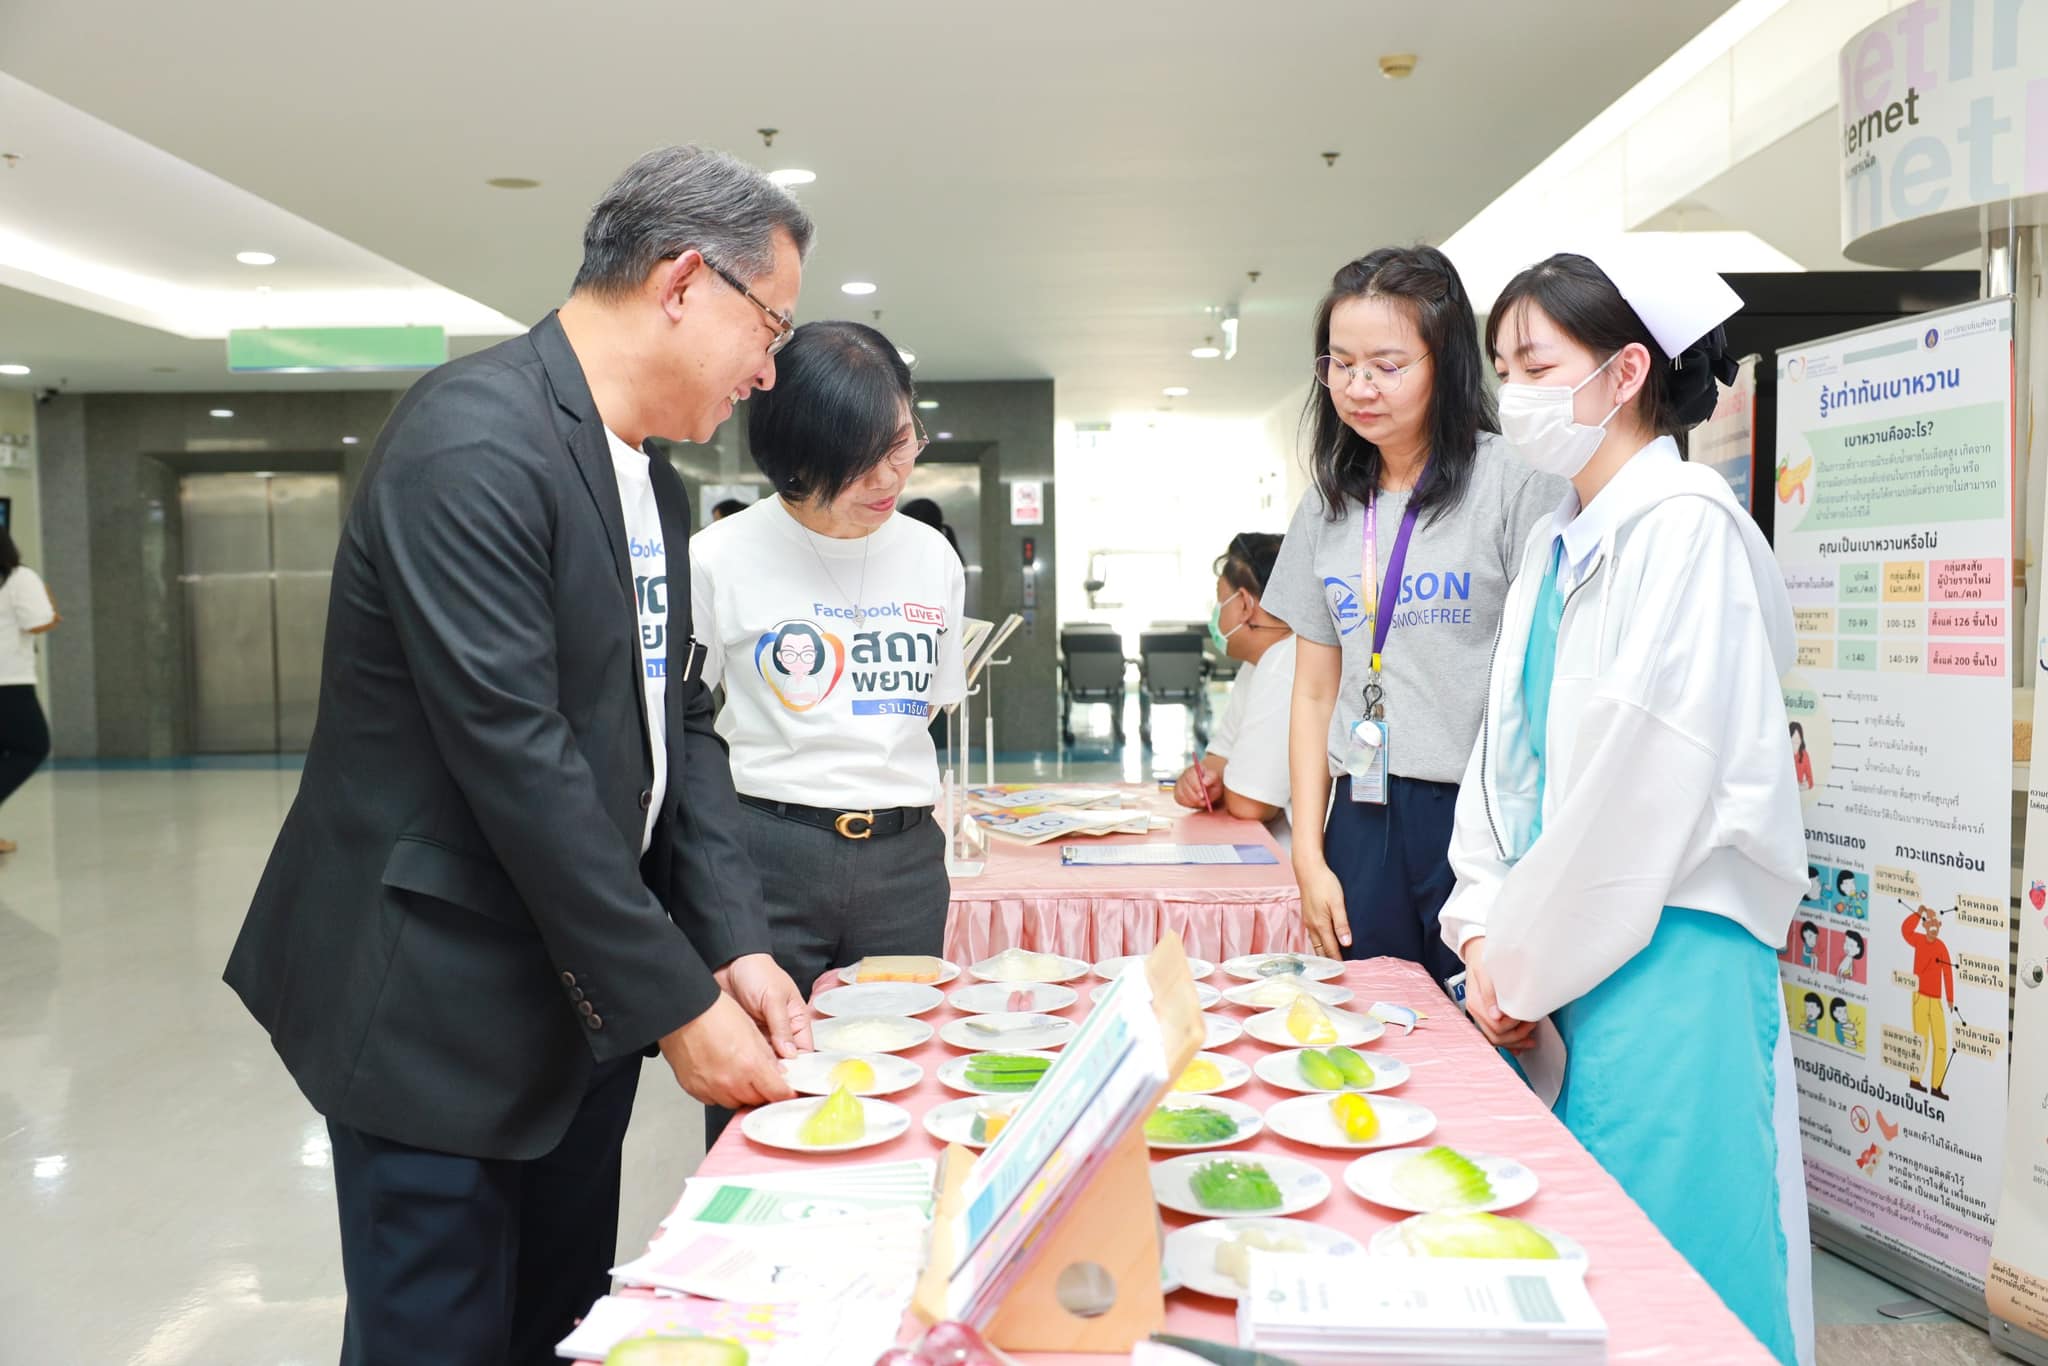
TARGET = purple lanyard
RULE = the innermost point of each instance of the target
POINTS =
(1392, 585)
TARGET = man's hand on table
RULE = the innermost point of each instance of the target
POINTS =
(765, 992)
(1501, 1030)
(721, 1058)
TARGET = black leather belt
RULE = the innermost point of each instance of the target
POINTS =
(853, 825)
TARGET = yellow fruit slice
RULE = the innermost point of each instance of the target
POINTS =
(839, 1120)
(1355, 1116)
(1309, 1023)
(1202, 1075)
(855, 1074)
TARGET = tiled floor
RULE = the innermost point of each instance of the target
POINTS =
(165, 1195)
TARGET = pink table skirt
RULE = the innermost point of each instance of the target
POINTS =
(1024, 898)
(1657, 1307)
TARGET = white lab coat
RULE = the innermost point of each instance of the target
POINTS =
(1669, 774)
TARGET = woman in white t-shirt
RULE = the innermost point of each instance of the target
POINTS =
(834, 624)
(1244, 771)
(26, 611)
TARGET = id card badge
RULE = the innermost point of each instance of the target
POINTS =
(1368, 762)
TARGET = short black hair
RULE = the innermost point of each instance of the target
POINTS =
(1813, 999)
(10, 558)
(727, 508)
(797, 628)
(1845, 873)
(1837, 1004)
(837, 407)
(1346, 466)
(1807, 927)
(1847, 935)
(1248, 564)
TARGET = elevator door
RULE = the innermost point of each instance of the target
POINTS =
(259, 556)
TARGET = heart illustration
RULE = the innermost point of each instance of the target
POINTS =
(2038, 894)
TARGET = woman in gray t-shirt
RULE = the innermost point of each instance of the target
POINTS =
(1404, 435)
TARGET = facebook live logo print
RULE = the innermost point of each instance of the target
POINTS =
(650, 588)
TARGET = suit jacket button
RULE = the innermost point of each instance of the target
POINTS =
(575, 993)
(568, 979)
(586, 1007)
(596, 1022)
(646, 800)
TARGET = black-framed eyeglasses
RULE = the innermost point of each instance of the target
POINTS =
(1382, 375)
(784, 325)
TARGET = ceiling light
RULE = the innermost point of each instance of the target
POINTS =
(512, 182)
(51, 1167)
(13, 369)
(222, 412)
(1205, 353)
(350, 440)
(945, 436)
(856, 288)
(927, 403)
(1175, 391)
(1397, 66)
(791, 177)
(1230, 336)
(255, 258)
(909, 357)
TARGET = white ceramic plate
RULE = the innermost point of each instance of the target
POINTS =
(1372, 1178)
(1007, 1033)
(1284, 1071)
(1206, 996)
(1302, 1186)
(848, 973)
(993, 998)
(1056, 968)
(1308, 1119)
(811, 1073)
(1235, 1074)
(868, 1034)
(953, 1121)
(1352, 1030)
(953, 1072)
(1329, 993)
(1315, 969)
(1248, 1121)
(1190, 1253)
(878, 998)
(1198, 968)
(1387, 1243)
(775, 1126)
(1221, 1031)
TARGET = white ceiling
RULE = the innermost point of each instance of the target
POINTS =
(1056, 189)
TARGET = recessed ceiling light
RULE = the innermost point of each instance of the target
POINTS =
(13, 369)
(512, 182)
(909, 357)
(792, 176)
(350, 440)
(856, 288)
(255, 258)
(222, 412)
(945, 436)
(927, 403)
(1205, 353)
(1175, 391)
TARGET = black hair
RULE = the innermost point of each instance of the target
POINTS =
(10, 558)
(1813, 999)
(932, 515)
(1812, 871)
(797, 628)
(1799, 734)
(1807, 927)
(1577, 295)
(1846, 873)
(836, 410)
(727, 508)
(1346, 466)
(1847, 935)
(1248, 564)
(1837, 1004)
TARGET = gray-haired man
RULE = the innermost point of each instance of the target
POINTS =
(513, 864)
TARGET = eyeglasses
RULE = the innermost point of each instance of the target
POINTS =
(784, 325)
(1383, 375)
(918, 443)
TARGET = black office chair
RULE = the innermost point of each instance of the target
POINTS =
(1172, 672)
(1091, 671)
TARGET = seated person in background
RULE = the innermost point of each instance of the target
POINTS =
(1245, 770)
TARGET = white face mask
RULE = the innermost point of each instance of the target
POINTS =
(1537, 421)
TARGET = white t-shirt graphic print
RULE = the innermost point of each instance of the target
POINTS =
(650, 590)
(823, 710)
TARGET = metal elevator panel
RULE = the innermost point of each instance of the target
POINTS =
(259, 557)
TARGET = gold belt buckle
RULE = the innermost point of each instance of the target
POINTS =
(844, 825)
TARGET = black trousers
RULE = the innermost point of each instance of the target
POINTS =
(1394, 863)
(465, 1261)
(24, 736)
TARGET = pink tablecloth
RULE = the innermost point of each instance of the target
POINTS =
(1657, 1307)
(1024, 898)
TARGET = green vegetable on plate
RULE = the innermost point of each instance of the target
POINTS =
(1234, 1185)
(1193, 1124)
(1442, 1180)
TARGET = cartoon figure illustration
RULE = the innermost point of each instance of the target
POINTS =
(1846, 1032)
(1802, 762)
(1867, 1163)
(1815, 1008)
(1815, 896)
(1850, 896)
(1852, 956)
(1792, 480)
(1937, 988)
(1809, 944)
(800, 664)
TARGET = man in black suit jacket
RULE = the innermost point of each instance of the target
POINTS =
(514, 865)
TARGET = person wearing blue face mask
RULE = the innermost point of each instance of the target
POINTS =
(1628, 842)
(1245, 770)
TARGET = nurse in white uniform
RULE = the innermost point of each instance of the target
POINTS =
(1628, 842)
